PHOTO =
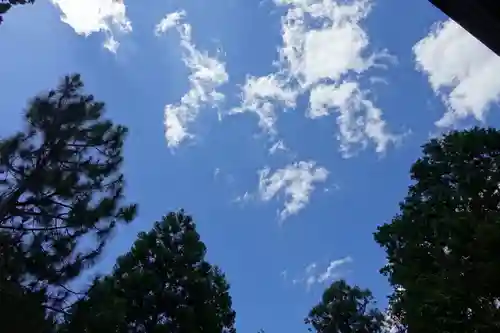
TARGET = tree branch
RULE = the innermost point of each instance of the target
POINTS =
(19, 228)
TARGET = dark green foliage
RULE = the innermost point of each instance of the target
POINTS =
(60, 184)
(5, 5)
(25, 310)
(442, 248)
(346, 309)
(162, 285)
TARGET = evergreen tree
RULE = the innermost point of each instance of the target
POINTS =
(346, 309)
(442, 247)
(60, 185)
(163, 285)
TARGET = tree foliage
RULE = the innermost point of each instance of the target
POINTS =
(162, 285)
(442, 247)
(60, 184)
(62, 195)
(346, 309)
(6, 5)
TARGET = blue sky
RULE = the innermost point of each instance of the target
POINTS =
(290, 125)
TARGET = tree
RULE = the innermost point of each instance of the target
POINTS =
(21, 309)
(5, 5)
(162, 285)
(346, 309)
(442, 248)
(60, 184)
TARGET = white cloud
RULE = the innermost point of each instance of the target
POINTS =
(89, 16)
(296, 181)
(311, 268)
(331, 271)
(323, 97)
(310, 281)
(207, 74)
(359, 120)
(323, 50)
(216, 172)
(278, 145)
(261, 95)
(330, 51)
(461, 71)
(312, 275)
(170, 21)
(243, 198)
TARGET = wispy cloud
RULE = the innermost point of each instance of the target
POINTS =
(311, 268)
(216, 172)
(262, 95)
(171, 20)
(207, 74)
(359, 120)
(296, 181)
(313, 275)
(244, 198)
(331, 271)
(323, 52)
(89, 16)
(277, 146)
(461, 71)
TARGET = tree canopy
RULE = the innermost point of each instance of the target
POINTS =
(62, 195)
(442, 246)
(164, 284)
(60, 184)
(346, 309)
(6, 5)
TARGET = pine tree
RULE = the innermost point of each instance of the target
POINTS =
(442, 246)
(346, 309)
(60, 185)
(163, 285)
